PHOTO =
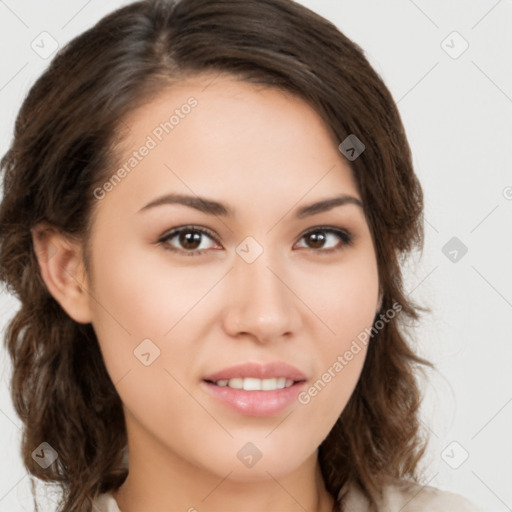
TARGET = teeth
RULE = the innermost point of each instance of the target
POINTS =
(252, 384)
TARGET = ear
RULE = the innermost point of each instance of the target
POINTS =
(62, 269)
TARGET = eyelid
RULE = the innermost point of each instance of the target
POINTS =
(344, 234)
(191, 227)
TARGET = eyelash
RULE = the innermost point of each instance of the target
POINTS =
(343, 234)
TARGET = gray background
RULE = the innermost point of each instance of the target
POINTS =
(457, 109)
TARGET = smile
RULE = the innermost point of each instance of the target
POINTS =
(253, 384)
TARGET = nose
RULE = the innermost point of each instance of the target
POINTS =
(261, 302)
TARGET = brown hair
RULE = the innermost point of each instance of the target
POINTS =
(63, 146)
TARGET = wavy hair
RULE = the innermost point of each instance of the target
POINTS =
(64, 143)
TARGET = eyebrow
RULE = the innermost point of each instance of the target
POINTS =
(212, 207)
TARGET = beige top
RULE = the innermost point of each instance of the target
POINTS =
(401, 496)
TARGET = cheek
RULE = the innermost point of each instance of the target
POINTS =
(140, 319)
(134, 303)
(147, 289)
(346, 303)
(343, 296)
(339, 369)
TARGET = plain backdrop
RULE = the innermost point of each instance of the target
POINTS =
(448, 65)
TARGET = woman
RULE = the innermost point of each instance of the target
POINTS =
(206, 204)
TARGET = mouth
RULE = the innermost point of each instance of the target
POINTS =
(255, 389)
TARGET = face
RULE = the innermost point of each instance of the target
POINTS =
(184, 294)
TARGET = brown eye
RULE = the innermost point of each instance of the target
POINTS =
(317, 239)
(190, 240)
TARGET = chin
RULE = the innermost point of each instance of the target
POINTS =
(261, 473)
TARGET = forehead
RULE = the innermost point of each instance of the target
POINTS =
(232, 101)
(216, 136)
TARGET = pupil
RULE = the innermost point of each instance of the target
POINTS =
(187, 240)
(318, 239)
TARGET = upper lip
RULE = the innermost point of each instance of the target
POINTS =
(259, 371)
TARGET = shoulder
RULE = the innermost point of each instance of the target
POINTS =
(407, 496)
(105, 503)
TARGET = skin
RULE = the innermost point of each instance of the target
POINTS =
(264, 153)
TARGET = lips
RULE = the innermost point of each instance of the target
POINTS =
(273, 370)
(254, 389)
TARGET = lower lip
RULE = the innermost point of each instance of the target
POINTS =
(255, 403)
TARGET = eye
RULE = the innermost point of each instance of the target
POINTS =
(191, 239)
(318, 237)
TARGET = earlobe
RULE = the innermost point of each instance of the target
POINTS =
(61, 265)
